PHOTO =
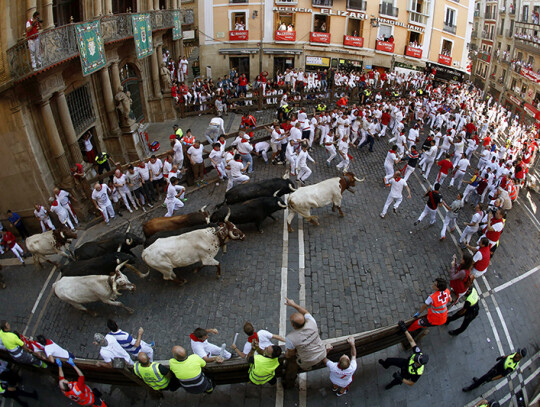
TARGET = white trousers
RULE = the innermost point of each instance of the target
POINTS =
(71, 213)
(458, 177)
(332, 151)
(408, 172)
(396, 199)
(432, 212)
(46, 223)
(383, 130)
(292, 162)
(220, 168)
(467, 234)
(389, 169)
(213, 350)
(447, 223)
(173, 205)
(303, 173)
(426, 167)
(127, 195)
(236, 180)
(18, 251)
(469, 189)
(35, 52)
(107, 211)
(345, 162)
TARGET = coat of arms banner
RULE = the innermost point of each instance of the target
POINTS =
(90, 45)
(177, 29)
(142, 34)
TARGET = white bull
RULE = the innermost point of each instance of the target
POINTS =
(81, 290)
(48, 243)
(321, 194)
(201, 245)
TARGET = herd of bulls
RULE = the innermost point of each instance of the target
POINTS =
(178, 241)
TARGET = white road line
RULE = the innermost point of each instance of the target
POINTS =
(283, 293)
(302, 377)
(535, 221)
(38, 299)
(516, 279)
(43, 309)
(499, 313)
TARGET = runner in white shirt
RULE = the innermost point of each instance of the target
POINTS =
(330, 147)
(52, 350)
(44, 219)
(216, 158)
(120, 182)
(237, 167)
(110, 349)
(100, 196)
(62, 197)
(396, 192)
(261, 150)
(214, 130)
(389, 161)
(174, 191)
(459, 171)
(343, 148)
(303, 171)
(291, 156)
(341, 373)
(178, 153)
(61, 212)
(156, 174)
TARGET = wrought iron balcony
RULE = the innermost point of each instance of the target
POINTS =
(449, 28)
(388, 9)
(60, 44)
(526, 45)
(417, 18)
(357, 5)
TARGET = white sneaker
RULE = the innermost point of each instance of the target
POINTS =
(130, 210)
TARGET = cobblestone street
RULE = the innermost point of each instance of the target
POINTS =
(354, 274)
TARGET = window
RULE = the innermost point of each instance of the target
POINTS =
(285, 21)
(450, 20)
(525, 14)
(446, 48)
(415, 39)
(63, 10)
(354, 27)
(322, 3)
(356, 5)
(321, 23)
(387, 8)
(417, 6)
(188, 16)
(385, 32)
(238, 20)
(502, 27)
(530, 61)
(80, 108)
(513, 84)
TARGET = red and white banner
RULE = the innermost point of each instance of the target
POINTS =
(285, 36)
(385, 46)
(413, 52)
(445, 60)
(320, 37)
(532, 111)
(353, 41)
(514, 100)
(238, 35)
(530, 74)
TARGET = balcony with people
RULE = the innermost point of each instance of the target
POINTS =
(285, 27)
(414, 45)
(238, 31)
(353, 38)
(321, 30)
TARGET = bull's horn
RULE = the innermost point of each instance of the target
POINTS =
(228, 214)
(359, 180)
(276, 193)
(62, 235)
(129, 241)
(112, 281)
(203, 208)
(231, 234)
(117, 261)
(119, 267)
(136, 271)
(286, 175)
(281, 204)
(292, 188)
(129, 227)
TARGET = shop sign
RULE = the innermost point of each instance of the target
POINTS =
(415, 28)
(413, 52)
(391, 22)
(319, 37)
(285, 36)
(514, 100)
(238, 35)
(318, 61)
(532, 111)
(293, 9)
(530, 74)
(344, 13)
(353, 41)
(385, 46)
(445, 60)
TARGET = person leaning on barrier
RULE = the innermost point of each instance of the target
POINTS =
(263, 364)
(504, 366)
(304, 341)
(188, 370)
(16, 347)
(411, 368)
(469, 311)
(159, 377)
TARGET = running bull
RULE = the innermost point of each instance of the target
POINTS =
(318, 195)
(50, 242)
(265, 188)
(176, 222)
(105, 264)
(118, 242)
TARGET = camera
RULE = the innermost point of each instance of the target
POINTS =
(40, 21)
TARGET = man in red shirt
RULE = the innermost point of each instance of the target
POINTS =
(32, 28)
(8, 240)
(470, 128)
(78, 391)
(343, 101)
(445, 167)
(242, 84)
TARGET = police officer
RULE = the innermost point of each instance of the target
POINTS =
(154, 374)
(178, 132)
(486, 403)
(468, 312)
(366, 96)
(263, 365)
(321, 107)
(411, 368)
(504, 366)
(102, 161)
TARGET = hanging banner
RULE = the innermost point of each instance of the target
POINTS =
(142, 34)
(90, 45)
(177, 29)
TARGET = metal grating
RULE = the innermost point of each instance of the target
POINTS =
(80, 108)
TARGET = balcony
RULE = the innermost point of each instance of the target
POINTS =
(388, 9)
(474, 34)
(238, 35)
(285, 36)
(449, 28)
(322, 3)
(445, 60)
(356, 5)
(530, 75)
(487, 36)
(350, 41)
(490, 16)
(527, 45)
(60, 44)
(512, 9)
(477, 13)
(417, 18)
(484, 56)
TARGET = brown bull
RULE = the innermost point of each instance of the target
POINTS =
(155, 225)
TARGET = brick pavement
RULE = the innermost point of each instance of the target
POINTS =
(362, 272)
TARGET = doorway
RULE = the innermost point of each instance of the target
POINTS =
(241, 64)
(281, 64)
(132, 83)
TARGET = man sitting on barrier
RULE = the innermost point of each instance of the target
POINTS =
(78, 391)
(188, 369)
(262, 336)
(263, 364)
(411, 368)
(154, 374)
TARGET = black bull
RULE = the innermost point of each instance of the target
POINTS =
(252, 211)
(102, 265)
(265, 188)
(98, 248)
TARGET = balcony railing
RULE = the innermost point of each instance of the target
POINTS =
(490, 16)
(417, 18)
(449, 28)
(477, 13)
(509, 33)
(322, 3)
(388, 9)
(60, 44)
(357, 5)
(474, 34)
(487, 36)
(526, 45)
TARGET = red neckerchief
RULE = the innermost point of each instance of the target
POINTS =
(392, 151)
(238, 161)
(252, 337)
(54, 203)
(397, 179)
(194, 338)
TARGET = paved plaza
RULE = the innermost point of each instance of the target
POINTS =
(354, 274)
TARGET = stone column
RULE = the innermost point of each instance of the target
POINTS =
(54, 139)
(98, 11)
(155, 74)
(108, 97)
(156, 5)
(115, 76)
(150, 5)
(31, 7)
(69, 130)
(108, 7)
(48, 17)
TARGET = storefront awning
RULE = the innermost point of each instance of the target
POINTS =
(229, 51)
(287, 51)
